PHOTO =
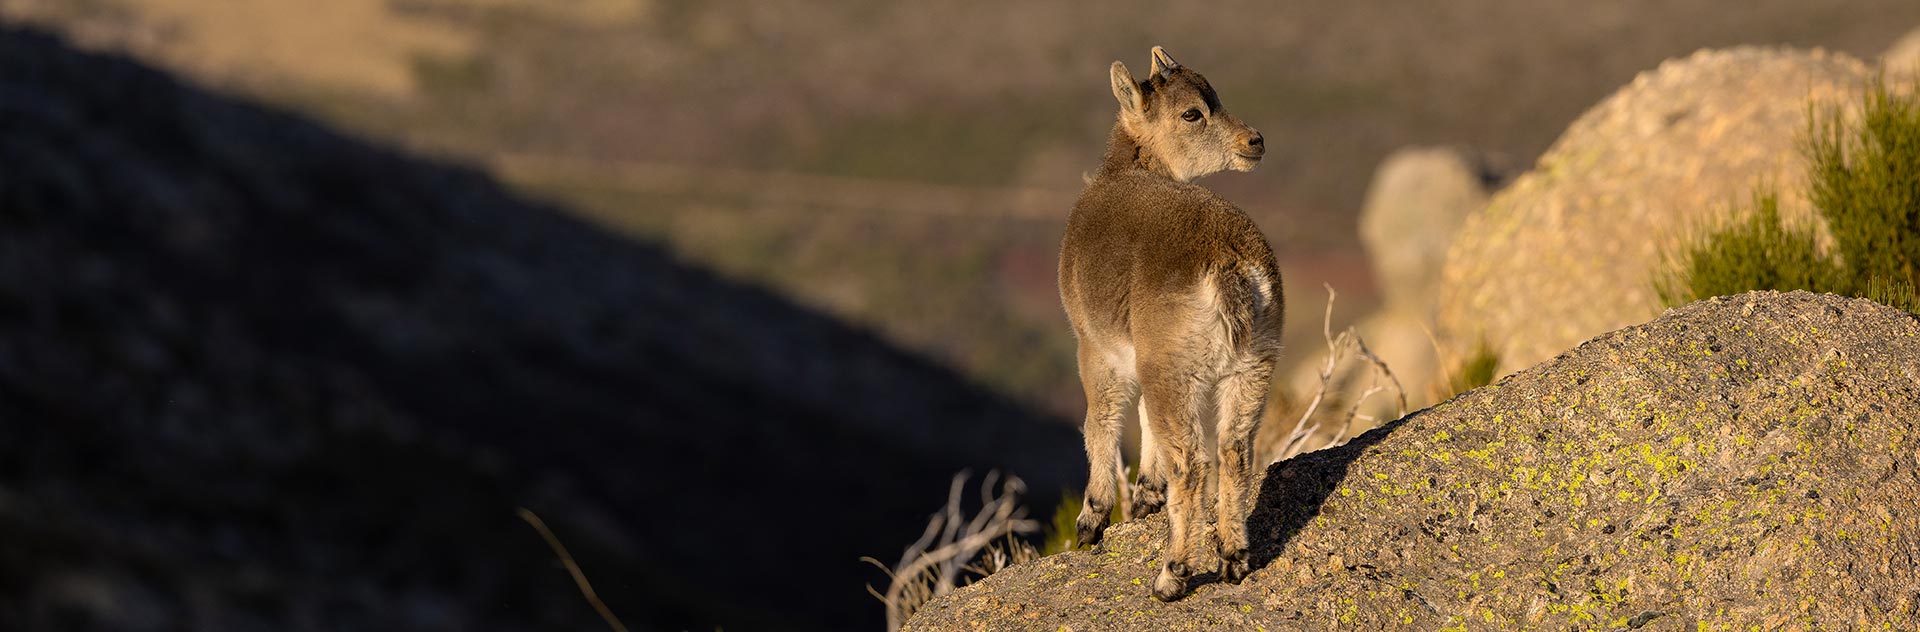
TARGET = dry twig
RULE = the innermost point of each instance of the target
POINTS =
(1349, 340)
(579, 578)
(930, 568)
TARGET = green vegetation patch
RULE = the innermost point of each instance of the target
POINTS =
(1864, 180)
(1476, 370)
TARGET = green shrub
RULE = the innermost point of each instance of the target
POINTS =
(1864, 180)
(1756, 253)
(1899, 293)
(1475, 371)
(1060, 532)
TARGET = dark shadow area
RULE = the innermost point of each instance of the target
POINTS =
(255, 375)
(1294, 489)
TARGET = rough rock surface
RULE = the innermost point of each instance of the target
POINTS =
(1902, 60)
(1741, 461)
(1569, 250)
(255, 375)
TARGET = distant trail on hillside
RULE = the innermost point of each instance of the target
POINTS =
(792, 188)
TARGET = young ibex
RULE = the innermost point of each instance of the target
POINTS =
(1174, 295)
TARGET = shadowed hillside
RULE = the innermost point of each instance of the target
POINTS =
(256, 375)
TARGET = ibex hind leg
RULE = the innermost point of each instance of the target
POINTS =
(1150, 488)
(1175, 402)
(1242, 400)
(1110, 392)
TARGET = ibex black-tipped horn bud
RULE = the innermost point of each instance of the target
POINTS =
(1163, 62)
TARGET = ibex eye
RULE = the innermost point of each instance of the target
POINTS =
(1190, 115)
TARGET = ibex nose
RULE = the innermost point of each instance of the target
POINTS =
(1256, 145)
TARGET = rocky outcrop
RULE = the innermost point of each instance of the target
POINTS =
(255, 375)
(1741, 461)
(1571, 248)
(1418, 199)
(1901, 62)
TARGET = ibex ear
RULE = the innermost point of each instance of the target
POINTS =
(1163, 62)
(1126, 90)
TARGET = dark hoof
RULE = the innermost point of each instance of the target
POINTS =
(1148, 497)
(1171, 583)
(1091, 527)
(1234, 567)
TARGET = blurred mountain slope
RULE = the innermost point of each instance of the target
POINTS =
(258, 375)
(997, 95)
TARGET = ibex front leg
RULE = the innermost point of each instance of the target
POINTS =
(1111, 390)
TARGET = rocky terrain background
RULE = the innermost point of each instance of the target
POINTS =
(258, 375)
(1680, 150)
(1745, 461)
(1736, 462)
(1571, 248)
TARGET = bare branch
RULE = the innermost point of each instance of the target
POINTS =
(1349, 340)
(1360, 347)
(579, 578)
(1301, 430)
(934, 567)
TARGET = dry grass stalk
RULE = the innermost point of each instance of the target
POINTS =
(579, 578)
(953, 547)
(1348, 342)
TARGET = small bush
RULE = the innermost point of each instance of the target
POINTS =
(1864, 180)
(1759, 252)
(1060, 532)
(1475, 371)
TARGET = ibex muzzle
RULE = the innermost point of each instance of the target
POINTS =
(1174, 295)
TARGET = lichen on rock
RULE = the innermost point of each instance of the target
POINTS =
(1746, 460)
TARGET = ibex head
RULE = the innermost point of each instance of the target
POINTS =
(1178, 121)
